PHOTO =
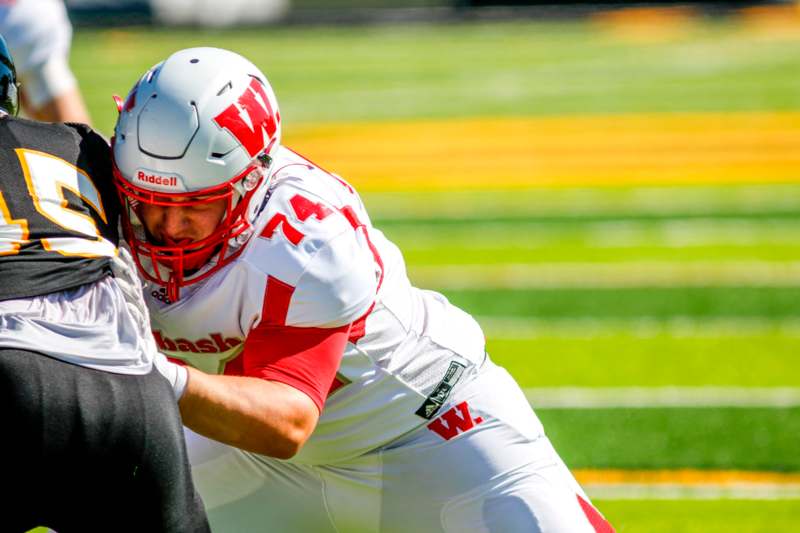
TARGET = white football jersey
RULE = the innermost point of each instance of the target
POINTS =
(316, 261)
(90, 325)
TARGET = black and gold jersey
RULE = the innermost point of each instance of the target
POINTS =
(58, 207)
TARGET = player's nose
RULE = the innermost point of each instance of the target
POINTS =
(174, 224)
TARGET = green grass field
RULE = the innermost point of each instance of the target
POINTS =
(702, 516)
(605, 286)
(440, 71)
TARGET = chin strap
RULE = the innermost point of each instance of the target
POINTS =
(173, 287)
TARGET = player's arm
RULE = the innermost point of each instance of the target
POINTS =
(67, 106)
(290, 359)
(274, 408)
(260, 416)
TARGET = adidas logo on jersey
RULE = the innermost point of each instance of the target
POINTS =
(214, 343)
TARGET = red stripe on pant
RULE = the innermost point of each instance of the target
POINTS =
(599, 523)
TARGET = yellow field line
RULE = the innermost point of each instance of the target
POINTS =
(509, 153)
(668, 23)
(647, 24)
(772, 21)
(685, 477)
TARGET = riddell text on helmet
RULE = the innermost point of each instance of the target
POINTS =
(155, 179)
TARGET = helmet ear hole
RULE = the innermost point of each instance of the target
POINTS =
(252, 180)
(265, 159)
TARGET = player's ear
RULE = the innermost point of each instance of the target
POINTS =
(118, 101)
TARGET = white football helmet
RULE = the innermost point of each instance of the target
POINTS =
(198, 127)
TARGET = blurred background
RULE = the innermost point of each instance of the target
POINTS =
(612, 188)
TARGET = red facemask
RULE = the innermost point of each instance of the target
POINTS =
(171, 263)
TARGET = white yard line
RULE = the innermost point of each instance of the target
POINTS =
(648, 397)
(677, 491)
(674, 234)
(688, 483)
(600, 275)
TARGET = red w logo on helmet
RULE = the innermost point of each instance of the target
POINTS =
(251, 119)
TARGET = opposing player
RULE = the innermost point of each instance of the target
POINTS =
(92, 438)
(347, 399)
(39, 35)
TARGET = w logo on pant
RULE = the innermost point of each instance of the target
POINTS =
(454, 421)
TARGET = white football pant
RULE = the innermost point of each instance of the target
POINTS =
(497, 472)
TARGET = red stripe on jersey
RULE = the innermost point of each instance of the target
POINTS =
(358, 330)
(336, 385)
(341, 182)
(350, 214)
(599, 523)
(234, 367)
(331, 174)
(276, 302)
(359, 327)
(304, 358)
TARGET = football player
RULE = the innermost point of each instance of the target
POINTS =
(93, 438)
(39, 35)
(342, 397)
